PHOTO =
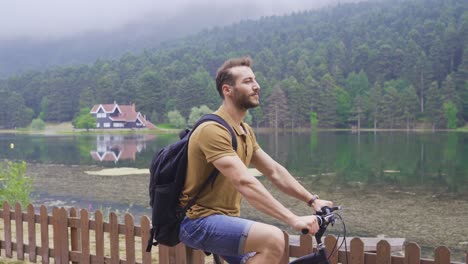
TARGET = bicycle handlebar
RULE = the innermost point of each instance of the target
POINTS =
(325, 217)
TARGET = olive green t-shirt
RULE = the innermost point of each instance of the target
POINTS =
(209, 142)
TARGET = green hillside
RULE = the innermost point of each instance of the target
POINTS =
(393, 64)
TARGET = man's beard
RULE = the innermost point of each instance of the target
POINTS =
(245, 101)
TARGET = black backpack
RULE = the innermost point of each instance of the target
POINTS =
(168, 171)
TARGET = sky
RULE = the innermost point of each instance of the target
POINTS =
(49, 19)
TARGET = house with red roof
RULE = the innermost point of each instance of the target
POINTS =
(111, 116)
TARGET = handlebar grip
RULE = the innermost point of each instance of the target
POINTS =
(334, 208)
(320, 220)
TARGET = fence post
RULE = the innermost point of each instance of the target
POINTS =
(114, 238)
(194, 256)
(285, 258)
(85, 251)
(357, 251)
(63, 226)
(74, 234)
(19, 231)
(7, 223)
(60, 222)
(145, 235)
(163, 254)
(129, 238)
(44, 216)
(56, 237)
(180, 254)
(306, 244)
(332, 249)
(384, 252)
(412, 253)
(31, 233)
(442, 255)
(99, 232)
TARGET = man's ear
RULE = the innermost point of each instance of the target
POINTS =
(227, 89)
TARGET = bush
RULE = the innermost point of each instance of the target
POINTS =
(176, 119)
(313, 120)
(15, 186)
(84, 120)
(37, 124)
(197, 112)
(450, 113)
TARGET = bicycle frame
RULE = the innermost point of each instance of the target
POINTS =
(319, 257)
(325, 218)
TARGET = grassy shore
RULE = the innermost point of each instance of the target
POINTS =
(10, 261)
(67, 128)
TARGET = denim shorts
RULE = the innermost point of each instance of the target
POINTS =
(219, 234)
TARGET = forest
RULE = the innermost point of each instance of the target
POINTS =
(384, 65)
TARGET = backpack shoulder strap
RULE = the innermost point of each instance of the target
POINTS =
(220, 120)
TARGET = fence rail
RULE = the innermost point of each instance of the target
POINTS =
(78, 237)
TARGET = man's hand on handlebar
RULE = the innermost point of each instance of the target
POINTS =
(308, 222)
(311, 224)
(319, 203)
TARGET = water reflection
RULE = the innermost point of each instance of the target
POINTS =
(434, 161)
(112, 148)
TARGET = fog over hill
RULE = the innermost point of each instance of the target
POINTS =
(39, 34)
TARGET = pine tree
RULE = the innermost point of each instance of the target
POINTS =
(276, 109)
(358, 110)
(409, 101)
(375, 104)
(391, 107)
(327, 103)
(152, 93)
(297, 100)
(343, 106)
(434, 110)
(449, 92)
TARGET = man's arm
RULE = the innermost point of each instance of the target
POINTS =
(258, 196)
(282, 179)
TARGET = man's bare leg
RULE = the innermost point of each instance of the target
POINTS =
(267, 241)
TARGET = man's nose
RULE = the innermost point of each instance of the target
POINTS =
(257, 86)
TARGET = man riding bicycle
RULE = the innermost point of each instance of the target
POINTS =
(213, 224)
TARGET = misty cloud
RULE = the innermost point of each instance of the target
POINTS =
(49, 19)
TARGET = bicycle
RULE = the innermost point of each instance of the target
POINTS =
(325, 216)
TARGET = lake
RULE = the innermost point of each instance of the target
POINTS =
(394, 184)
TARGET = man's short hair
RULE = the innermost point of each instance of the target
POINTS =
(224, 74)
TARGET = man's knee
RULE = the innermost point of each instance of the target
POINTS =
(265, 238)
(277, 242)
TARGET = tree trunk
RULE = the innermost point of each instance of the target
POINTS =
(422, 91)
(276, 117)
(359, 122)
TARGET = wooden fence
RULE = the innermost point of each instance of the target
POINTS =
(72, 236)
